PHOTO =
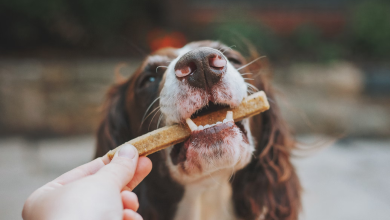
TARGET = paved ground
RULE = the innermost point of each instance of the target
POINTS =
(347, 181)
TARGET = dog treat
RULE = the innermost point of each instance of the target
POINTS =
(174, 134)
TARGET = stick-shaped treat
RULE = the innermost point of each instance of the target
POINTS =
(173, 134)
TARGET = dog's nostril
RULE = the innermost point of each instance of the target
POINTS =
(217, 62)
(184, 71)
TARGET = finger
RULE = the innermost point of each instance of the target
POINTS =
(131, 215)
(143, 169)
(121, 169)
(130, 200)
(80, 172)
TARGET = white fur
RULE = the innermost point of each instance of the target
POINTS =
(179, 101)
(207, 199)
(207, 190)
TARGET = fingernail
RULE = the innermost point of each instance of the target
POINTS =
(128, 151)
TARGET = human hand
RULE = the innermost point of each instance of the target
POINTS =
(97, 190)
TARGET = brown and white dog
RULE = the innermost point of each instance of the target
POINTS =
(236, 170)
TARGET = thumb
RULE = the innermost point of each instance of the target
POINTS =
(121, 169)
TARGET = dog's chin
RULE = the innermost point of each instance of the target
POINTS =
(223, 147)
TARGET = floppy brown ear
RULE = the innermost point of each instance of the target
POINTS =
(268, 187)
(114, 128)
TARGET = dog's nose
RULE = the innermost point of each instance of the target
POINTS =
(202, 67)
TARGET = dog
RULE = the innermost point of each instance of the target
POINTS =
(241, 170)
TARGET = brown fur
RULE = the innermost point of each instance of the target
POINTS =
(269, 183)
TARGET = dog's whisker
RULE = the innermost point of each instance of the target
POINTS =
(160, 67)
(243, 74)
(228, 48)
(218, 183)
(251, 62)
(142, 122)
(143, 118)
(250, 91)
(248, 78)
(271, 100)
(153, 118)
(231, 175)
(252, 87)
(257, 74)
(150, 113)
(159, 120)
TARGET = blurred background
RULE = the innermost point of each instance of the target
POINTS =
(329, 61)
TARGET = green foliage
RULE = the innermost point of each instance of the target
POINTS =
(43, 9)
(307, 37)
(101, 23)
(99, 19)
(370, 28)
(105, 16)
(329, 51)
(239, 33)
(308, 41)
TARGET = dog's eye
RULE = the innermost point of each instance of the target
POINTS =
(147, 81)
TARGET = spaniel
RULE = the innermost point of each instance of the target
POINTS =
(239, 170)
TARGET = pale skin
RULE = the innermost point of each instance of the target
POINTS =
(97, 190)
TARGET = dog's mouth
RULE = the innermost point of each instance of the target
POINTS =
(210, 107)
(209, 137)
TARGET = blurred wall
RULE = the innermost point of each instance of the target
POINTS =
(41, 98)
(330, 58)
(55, 97)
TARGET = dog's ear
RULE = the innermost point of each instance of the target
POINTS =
(268, 187)
(114, 128)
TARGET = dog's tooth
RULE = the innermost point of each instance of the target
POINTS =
(225, 120)
(219, 123)
(200, 127)
(207, 126)
(229, 116)
(191, 124)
